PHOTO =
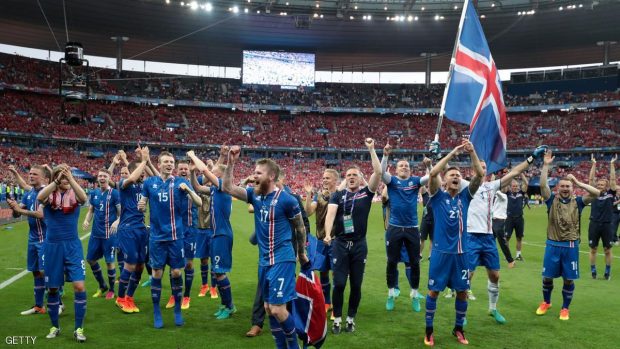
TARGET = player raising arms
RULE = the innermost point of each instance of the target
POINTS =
(62, 249)
(562, 250)
(167, 195)
(132, 233)
(482, 247)
(348, 212)
(317, 204)
(403, 225)
(38, 177)
(105, 211)
(448, 263)
(601, 227)
(222, 241)
(275, 212)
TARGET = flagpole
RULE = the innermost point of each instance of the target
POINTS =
(445, 91)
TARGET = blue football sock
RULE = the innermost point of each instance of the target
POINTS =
(327, 288)
(39, 291)
(213, 278)
(112, 278)
(547, 289)
(225, 292)
(120, 258)
(123, 282)
(461, 311)
(189, 279)
(80, 308)
(431, 306)
(607, 269)
(567, 295)
(204, 273)
(277, 333)
(53, 302)
(156, 296)
(134, 281)
(288, 327)
(96, 268)
(593, 269)
(176, 284)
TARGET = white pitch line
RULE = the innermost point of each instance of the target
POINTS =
(25, 272)
(584, 252)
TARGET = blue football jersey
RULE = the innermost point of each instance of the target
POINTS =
(221, 206)
(104, 205)
(450, 229)
(130, 196)
(37, 226)
(403, 195)
(272, 214)
(62, 223)
(167, 204)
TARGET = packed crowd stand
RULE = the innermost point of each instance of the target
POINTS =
(44, 74)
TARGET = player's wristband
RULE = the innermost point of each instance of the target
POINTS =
(530, 159)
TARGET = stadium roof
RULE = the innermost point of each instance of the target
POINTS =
(342, 39)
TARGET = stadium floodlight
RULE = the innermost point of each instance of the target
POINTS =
(316, 15)
(560, 8)
(492, 4)
(321, 16)
(317, 5)
(351, 17)
(441, 17)
(193, 5)
(208, 7)
(355, 7)
(415, 18)
(369, 17)
(456, 7)
(246, 10)
(182, 3)
(580, 5)
(385, 8)
(167, 2)
(258, 12)
(410, 18)
(483, 16)
(436, 17)
(422, 8)
(235, 9)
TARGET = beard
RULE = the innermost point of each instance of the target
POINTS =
(261, 188)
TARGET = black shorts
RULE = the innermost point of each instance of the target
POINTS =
(426, 230)
(600, 231)
(515, 224)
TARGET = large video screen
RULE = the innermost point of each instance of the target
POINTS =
(278, 68)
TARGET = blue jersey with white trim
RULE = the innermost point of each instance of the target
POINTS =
(61, 222)
(166, 202)
(272, 214)
(450, 228)
(130, 196)
(221, 206)
(104, 205)
(403, 195)
(37, 226)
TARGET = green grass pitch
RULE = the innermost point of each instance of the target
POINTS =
(593, 323)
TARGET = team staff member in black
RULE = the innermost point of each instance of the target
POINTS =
(348, 210)
(601, 217)
(517, 198)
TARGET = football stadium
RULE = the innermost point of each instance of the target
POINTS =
(309, 173)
